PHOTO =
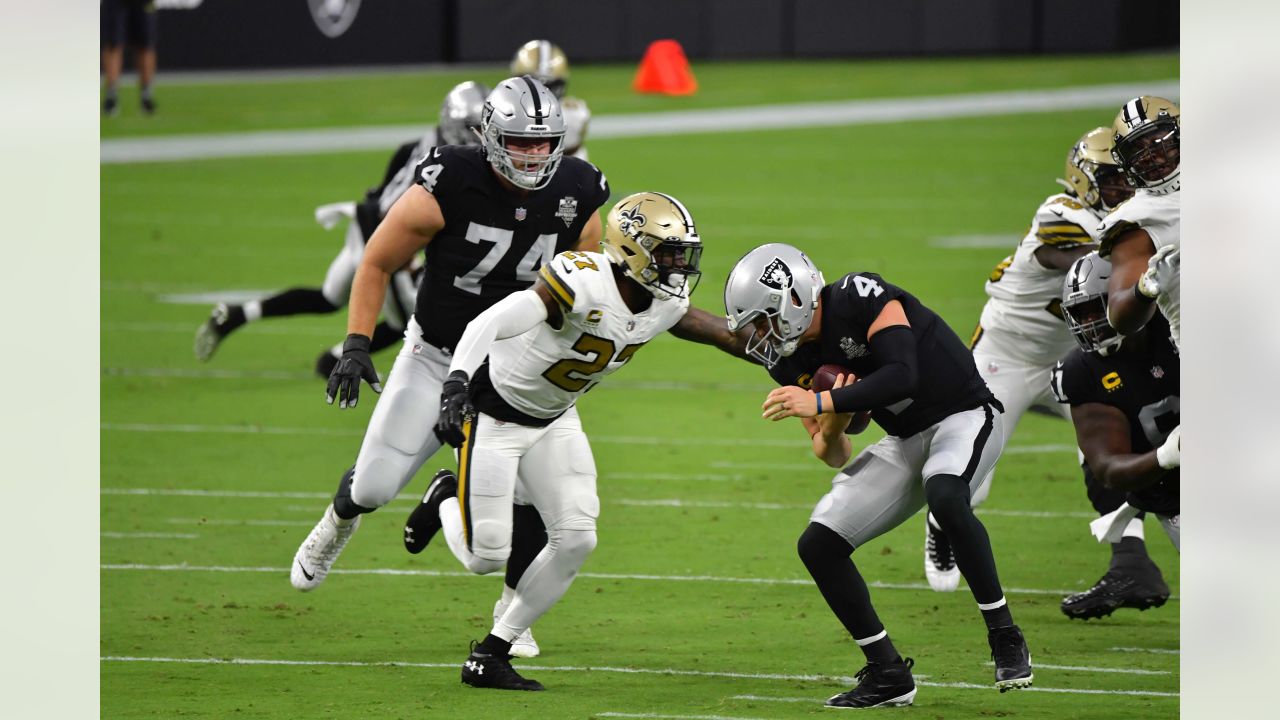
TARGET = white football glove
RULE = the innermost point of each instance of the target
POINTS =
(1169, 455)
(1161, 269)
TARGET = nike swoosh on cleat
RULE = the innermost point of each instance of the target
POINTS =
(305, 574)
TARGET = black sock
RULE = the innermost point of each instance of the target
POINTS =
(343, 506)
(948, 497)
(999, 617)
(384, 336)
(298, 301)
(827, 557)
(494, 645)
(528, 537)
(1129, 551)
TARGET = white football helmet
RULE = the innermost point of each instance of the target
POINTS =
(1084, 304)
(776, 288)
(522, 108)
(546, 62)
(460, 114)
(651, 236)
(1147, 143)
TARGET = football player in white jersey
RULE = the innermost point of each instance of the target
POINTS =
(459, 116)
(1021, 333)
(546, 62)
(1143, 236)
(514, 419)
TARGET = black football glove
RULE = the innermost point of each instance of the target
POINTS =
(355, 365)
(455, 408)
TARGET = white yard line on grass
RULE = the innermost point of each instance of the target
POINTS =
(589, 668)
(662, 716)
(1094, 669)
(149, 535)
(1158, 651)
(717, 121)
(405, 572)
(595, 439)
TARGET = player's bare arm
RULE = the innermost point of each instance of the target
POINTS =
(1102, 432)
(1054, 258)
(589, 240)
(827, 433)
(409, 226)
(1126, 310)
(700, 326)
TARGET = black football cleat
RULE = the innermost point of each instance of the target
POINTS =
(483, 670)
(424, 521)
(879, 685)
(1012, 658)
(325, 364)
(1138, 588)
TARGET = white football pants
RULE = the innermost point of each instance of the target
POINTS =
(401, 434)
(551, 468)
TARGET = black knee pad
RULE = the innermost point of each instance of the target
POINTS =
(948, 499)
(820, 544)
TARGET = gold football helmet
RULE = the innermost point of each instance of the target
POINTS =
(651, 236)
(1092, 174)
(1147, 132)
(546, 62)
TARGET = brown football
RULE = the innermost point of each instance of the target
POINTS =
(825, 376)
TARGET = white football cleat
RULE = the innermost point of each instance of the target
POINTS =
(523, 646)
(319, 551)
(939, 560)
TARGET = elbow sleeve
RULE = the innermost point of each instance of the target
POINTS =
(897, 372)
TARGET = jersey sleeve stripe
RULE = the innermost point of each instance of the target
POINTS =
(560, 290)
(1058, 233)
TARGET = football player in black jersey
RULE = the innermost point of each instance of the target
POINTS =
(487, 217)
(458, 125)
(1124, 397)
(944, 435)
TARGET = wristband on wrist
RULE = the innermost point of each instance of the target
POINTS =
(819, 403)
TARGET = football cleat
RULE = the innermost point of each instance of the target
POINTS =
(424, 521)
(879, 685)
(1012, 658)
(148, 106)
(483, 670)
(220, 324)
(939, 559)
(111, 106)
(1121, 587)
(319, 551)
(523, 646)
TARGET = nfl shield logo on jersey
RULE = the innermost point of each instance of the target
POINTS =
(568, 210)
(521, 213)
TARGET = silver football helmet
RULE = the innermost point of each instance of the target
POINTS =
(522, 109)
(775, 288)
(1084, 304)
(460, 114)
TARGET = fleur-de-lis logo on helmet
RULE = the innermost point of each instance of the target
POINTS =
(651, 236)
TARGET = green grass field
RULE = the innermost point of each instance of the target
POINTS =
(694, 603)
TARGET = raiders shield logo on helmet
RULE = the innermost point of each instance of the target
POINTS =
(776, 275)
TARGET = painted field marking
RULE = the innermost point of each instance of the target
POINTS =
(629, 502)
(256, 523)
(998, 240)
(589, 668)
(149, 535)
(403, 572)
(1158, 651)
(1090, 668)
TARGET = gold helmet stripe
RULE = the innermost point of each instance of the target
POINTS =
(559, 289)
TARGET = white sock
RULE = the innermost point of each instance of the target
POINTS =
(252, 310)
(508, 594)
(1135, 529)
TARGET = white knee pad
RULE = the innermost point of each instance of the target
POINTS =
(572, 546)
(490, 546)
(378, 481)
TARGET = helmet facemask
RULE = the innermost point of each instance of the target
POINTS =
(1084, 305)
(774, 288)
(653, 238)
(1147, 144)
(520, 112)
